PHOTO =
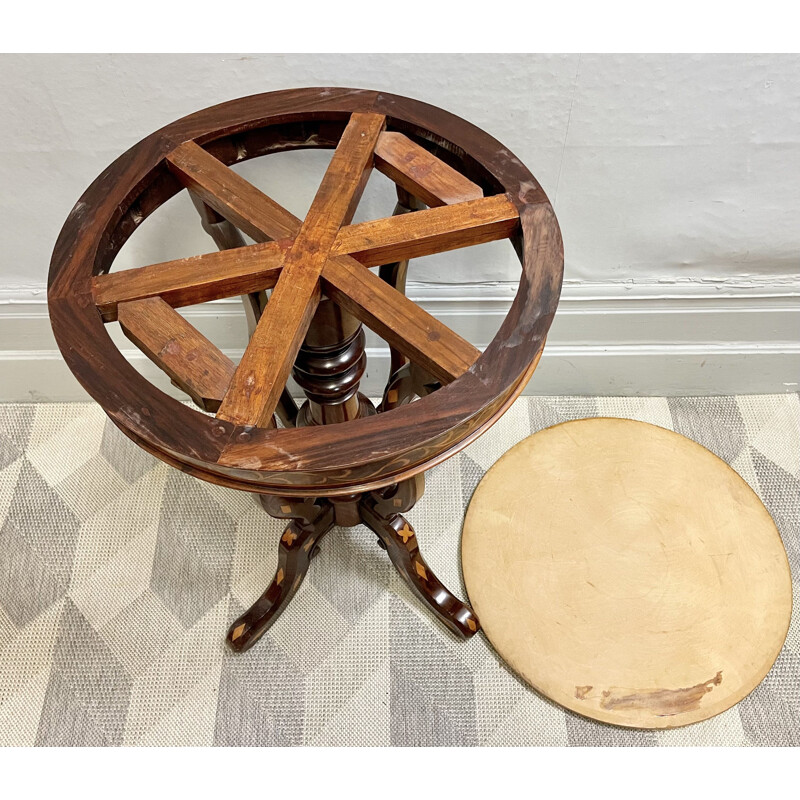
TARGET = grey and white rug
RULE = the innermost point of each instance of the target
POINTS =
(119, 576)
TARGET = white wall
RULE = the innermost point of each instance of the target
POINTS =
(675, 180)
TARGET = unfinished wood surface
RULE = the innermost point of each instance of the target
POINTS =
(627, 573)
(421, 173)
(198, 279)
(267, 361)
(402, 323)
(168, 340)
(434, 230)
(230, 195)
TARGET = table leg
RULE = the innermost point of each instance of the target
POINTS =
(311, 520)
(380, 511)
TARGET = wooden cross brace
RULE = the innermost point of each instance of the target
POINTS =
(301, 260)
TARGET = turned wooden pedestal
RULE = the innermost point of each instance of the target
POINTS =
(308, 286)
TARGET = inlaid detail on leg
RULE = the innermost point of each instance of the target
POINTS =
(406, 383)
(312, 520)
(398, 539)
(398, 497)
(289, 537)
(405, 533)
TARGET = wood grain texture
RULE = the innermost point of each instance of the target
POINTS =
(402, 323)
(370, 452)
(298, 545)
(198, 279)
(627, 573)
(420, 173)
(194, 363)
(380, 511)
(423, 233)
(230, 195)
(264, 369)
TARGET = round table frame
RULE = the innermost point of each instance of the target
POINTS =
(456, 187)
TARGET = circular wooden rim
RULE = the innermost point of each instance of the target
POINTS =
(368, 452)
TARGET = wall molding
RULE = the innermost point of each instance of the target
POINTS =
(615, 338)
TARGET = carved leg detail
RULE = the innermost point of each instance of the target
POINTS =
(297, 547)
(405, 384)
(401, 544)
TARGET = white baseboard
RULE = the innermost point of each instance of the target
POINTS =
(608, 339)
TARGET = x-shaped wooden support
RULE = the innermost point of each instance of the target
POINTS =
(302, 259)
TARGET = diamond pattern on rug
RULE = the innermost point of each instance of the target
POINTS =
(432, 694)
(15, 428)
(194, 550)
(87, 696)
(714, 422)
(261, 698)
(780, 492)
(35, 568)
(119, 576)
(547, 411)
(771, 717)
(130, 462)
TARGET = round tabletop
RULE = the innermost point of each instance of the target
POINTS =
(475, 191)
(627, 573)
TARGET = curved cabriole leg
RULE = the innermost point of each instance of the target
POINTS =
(405, 384)
(380, 512)
(297, 547)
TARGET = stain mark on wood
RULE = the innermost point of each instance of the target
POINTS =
(662, 702)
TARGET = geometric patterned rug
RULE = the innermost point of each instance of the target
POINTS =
(119, 576)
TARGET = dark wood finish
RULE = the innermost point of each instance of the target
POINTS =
(371, 451)
(420, 173)
(369, 466)
(406, 383)
(169, 341)
(382, 512)
(329, 376)
(311, 520)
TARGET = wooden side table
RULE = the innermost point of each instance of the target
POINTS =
(336, 460)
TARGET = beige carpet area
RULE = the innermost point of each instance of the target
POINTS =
(120, 575)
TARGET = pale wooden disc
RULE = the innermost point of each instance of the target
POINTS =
(627, 573)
